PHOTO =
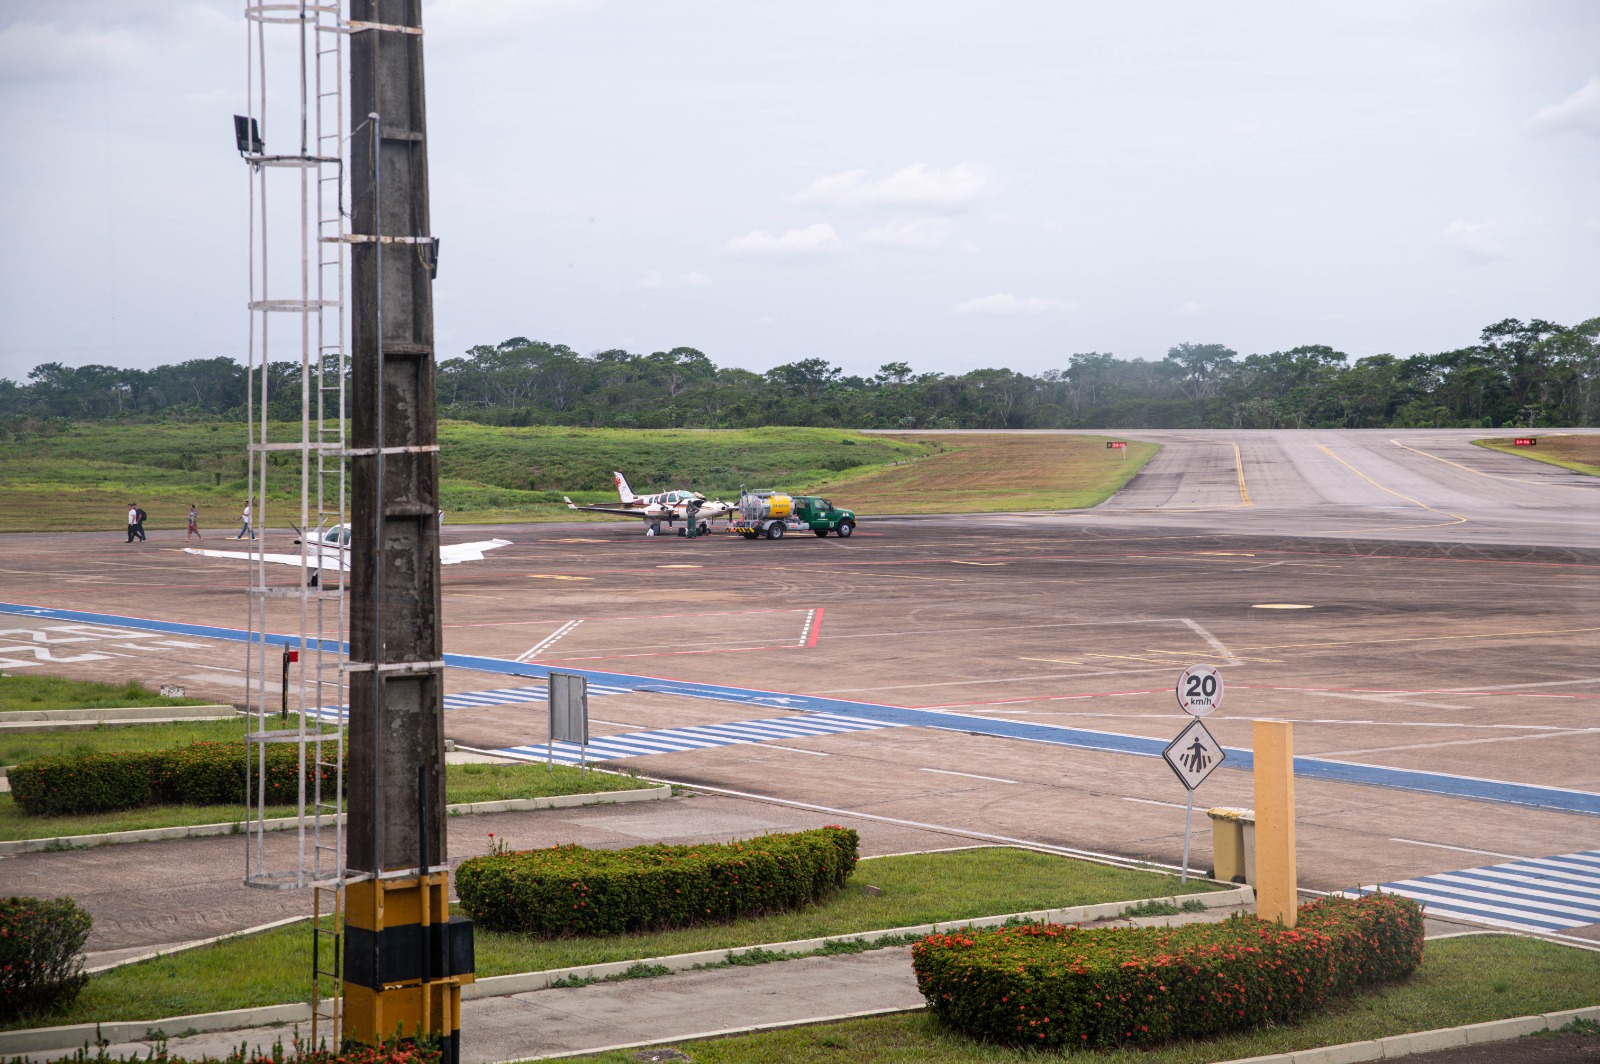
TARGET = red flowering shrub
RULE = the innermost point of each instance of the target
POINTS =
(1051, 986)
(41, 968)
(570, 890)
(197, 774)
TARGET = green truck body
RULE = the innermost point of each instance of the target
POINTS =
(772, 513)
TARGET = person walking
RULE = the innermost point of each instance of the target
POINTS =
(138, 525)
(194, 523)
(244, 528)
(133, 522)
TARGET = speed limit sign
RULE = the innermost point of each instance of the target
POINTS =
(1200, 690)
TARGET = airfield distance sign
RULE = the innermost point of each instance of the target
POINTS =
(1200, 690)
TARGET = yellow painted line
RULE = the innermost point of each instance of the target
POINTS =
(680, 567)
(1419, 639)
(1459, 520)
(553, 576)
(976, 563)
(1053, 661)
(1238, 465)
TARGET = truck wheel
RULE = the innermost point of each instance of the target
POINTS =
(775, 530)
(846, 527)
(820, 532)
(748, 535)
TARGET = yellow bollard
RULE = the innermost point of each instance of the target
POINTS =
(1276, 897)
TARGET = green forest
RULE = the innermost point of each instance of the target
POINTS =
(1519, 374)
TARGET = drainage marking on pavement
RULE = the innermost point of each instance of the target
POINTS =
(700, 737)
(1536, 894)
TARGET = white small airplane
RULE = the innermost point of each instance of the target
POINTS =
(331, 551)
(690, 507)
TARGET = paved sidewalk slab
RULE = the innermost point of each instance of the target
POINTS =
(668, 1008)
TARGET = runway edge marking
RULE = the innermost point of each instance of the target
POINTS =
(1503, 792)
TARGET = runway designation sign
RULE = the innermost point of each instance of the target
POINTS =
(1200, 690)
(1194, 755)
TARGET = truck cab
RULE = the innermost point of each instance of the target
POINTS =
(822, 517)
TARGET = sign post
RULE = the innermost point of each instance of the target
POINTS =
(1195, 754)
(569, 716)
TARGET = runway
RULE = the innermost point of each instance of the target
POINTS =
(1440, 658)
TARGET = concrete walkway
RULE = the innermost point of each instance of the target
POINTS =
(642, 1011)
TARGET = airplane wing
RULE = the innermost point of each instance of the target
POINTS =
(452, 553)
(330, 563)
(635, 512)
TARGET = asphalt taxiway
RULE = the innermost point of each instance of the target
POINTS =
(1426, 612)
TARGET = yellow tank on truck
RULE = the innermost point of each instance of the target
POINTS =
(779, 506)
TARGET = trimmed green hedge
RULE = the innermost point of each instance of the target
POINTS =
(570, 890)
(1055, 987)
(41, 968)
(197, 774)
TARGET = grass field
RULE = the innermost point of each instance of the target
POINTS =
(83, 479)
(1462, 980)
(270, 968)
(1578, 453)
(988, 472)
(16, 747)
(52, 692)
(464, 784)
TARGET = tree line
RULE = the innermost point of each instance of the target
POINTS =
(1519, 374)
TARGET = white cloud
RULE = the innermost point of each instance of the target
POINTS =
(913, 234)
(1579, 111)
(37, 51)
(1189, 309)
(813, 240)
(652, 279)
(915, 186)
(1004, 303)
(1473, 240)
(492, 21)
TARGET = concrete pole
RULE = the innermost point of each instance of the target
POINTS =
(397, 710)
(1276, 884)
(405, 959)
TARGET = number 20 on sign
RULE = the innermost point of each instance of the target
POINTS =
(1200, 690)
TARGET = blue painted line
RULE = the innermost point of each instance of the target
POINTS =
(1446, 785)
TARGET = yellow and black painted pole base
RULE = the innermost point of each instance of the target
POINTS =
(406, 959)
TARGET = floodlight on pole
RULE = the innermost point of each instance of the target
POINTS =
(247, 135)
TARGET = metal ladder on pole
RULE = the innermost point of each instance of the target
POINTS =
(303, 126)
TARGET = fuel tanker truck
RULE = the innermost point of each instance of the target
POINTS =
(772, 513)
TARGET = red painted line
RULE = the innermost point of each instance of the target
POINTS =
(670, 654)
(1397, 691)
(816, 627)
(627, 617)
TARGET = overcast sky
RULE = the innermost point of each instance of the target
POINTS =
(951, 185)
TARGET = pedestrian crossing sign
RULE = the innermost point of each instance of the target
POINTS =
(1194, 754)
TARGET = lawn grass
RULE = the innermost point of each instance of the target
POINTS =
(988, 472)
(270, 968)
(1461, 980)
(52, 692)
(464, 784)
(82, 479)
(1580, 454)
(17, 747)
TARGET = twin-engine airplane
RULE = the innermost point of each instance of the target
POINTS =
(331, 551)
(690, 507)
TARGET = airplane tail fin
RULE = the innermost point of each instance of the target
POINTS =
(623, 491)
